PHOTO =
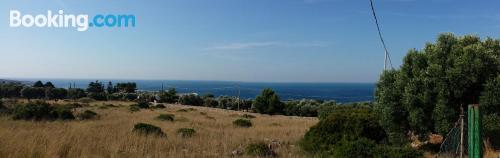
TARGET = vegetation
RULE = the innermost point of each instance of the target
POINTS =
(268, 102)
(260, 149)
(428, 92)
(41, 111)
(191, 99)
(186, 132)
(84, 138)
(166, 117)
(349, 132)
(147, 129)
(169, 96)
(87, 115)
(242, 123)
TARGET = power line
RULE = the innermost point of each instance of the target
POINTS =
(387, 57)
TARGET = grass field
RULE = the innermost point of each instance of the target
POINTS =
(111, 135)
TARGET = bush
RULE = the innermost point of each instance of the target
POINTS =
(260, 149)
(134, 108)
(248, 116)
(147, 129)
(349, 124)
(64, 112)
(396, 152)
(242, 123)
(203, 113)
(42, 111)
(86, 115)
(492, 129)
(97, 96)
(160, 106)
(165, 117)
(186, 132)
(143, 104)
(191, 99)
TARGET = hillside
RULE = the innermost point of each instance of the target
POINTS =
(111, 134)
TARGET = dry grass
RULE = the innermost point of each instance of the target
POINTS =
(111, 135)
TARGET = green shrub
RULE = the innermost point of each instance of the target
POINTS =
(349, 124)
(147, 129)
(491, 128)
(360, 148)
(134, 108)
(86, 115)
(3, 109)
(191, 99)
(64, 112)
(42, 111)
(165, 117)
(248, 116)
(260, 149)
(242, 123)
(160, 106)
(143, 104)
(186, 132)
(396, 152)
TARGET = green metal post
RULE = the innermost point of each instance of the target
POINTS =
(474, 130)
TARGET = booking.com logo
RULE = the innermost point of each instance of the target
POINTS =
(60, 20)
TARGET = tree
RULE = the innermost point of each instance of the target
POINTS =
(169, 96)
(426, 94)
(11, 89)
(268, 102)
(33, 92)
(110, 89)
(129, 87)
(56, 93)
(76, 93)
(49, 85)
(38, 84)
(95, 87)
(191, 99)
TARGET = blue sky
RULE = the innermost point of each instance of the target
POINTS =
(237, 40)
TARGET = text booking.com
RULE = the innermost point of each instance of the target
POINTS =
(82, 22)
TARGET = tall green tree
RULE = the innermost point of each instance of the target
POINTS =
(38, 84)
(95, 87)
(268, 102)
(169, 96)
(49, 85)
(432, 85)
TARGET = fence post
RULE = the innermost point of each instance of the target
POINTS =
(474, 130)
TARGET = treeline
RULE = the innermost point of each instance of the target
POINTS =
(268, 102)
(95, 90)
(435, 85)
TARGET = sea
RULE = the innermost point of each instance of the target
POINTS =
(340, 92)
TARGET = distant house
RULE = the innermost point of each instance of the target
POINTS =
(184, 94)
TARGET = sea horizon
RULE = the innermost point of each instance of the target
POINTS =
(342, 92)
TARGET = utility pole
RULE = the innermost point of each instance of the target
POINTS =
(238, 86)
